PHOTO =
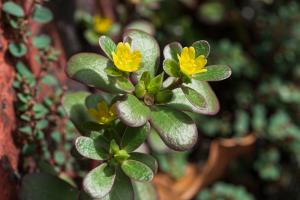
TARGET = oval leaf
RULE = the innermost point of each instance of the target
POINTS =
(93, 149)
(155, 84)
(42, 14)
(107, 45)
(137, 170)
(148, 47)
(99, 181)
(156, 143)
(176, 129)
(132, 111)
(171, 67)
(144, 191)
(125, 85)
(214, 73)
(171, 51)
(17, 49)
(194, 97)
(37, 186)
(74, 105)
(180, 101)
(134, 137)
(41, 41)
(201, 48)
(122, 188)
(88, 68)
(13, 9)
(142, 25)
(146, 159)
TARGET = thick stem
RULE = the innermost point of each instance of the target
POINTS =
(175, 84)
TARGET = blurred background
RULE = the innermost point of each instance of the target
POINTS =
(251, 148)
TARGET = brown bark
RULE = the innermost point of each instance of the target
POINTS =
(9, 153)
(222, 152)
(8, 150)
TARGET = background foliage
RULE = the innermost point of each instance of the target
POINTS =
(259, 39)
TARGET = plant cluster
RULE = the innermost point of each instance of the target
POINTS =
(136, 102)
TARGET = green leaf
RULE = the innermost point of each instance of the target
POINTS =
(74, 104)
(214, 73)
(13, 9)
(121, 156)
(134, 137)
(155, 84)
(50, 80)
(41, 124)
(17, 49)
(59, 157)
(144, 191)
(122, 188)
(194, 97)
(14, 23)
(112, 71)
(171, 67)
(137, 170)
(125, 85)
(107, 45)
(92, 100)
(113, 147)
(176, 129)
(84, 196)
(37, 186)
(140, 89)
(142, 25)
(39, 109)
(146, 77)
(202, 48)
(99, 181)
(163, 96)
(171, 51)
(42, 14)
(146, 159)
(148, 47)
(46, 167)
(156, 143)
(179, 100)
(41, 41)
(133, 112)
(88, 68)
(23, 69)
(93, 149)
(91, 36)
(25, 129)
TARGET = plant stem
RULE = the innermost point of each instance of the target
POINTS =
(175, 84)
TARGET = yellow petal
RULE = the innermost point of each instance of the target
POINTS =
(127, 46)
(201, 61)
(93, 112)
(113, 110)
(192, 52)
(102, 107)
(124, 59)
(200, 71)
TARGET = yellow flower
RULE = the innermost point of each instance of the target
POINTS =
(188, 62)
(125, 59)
(101, 25)
(102, 114)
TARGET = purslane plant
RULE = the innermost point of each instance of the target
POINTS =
(137, 101)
